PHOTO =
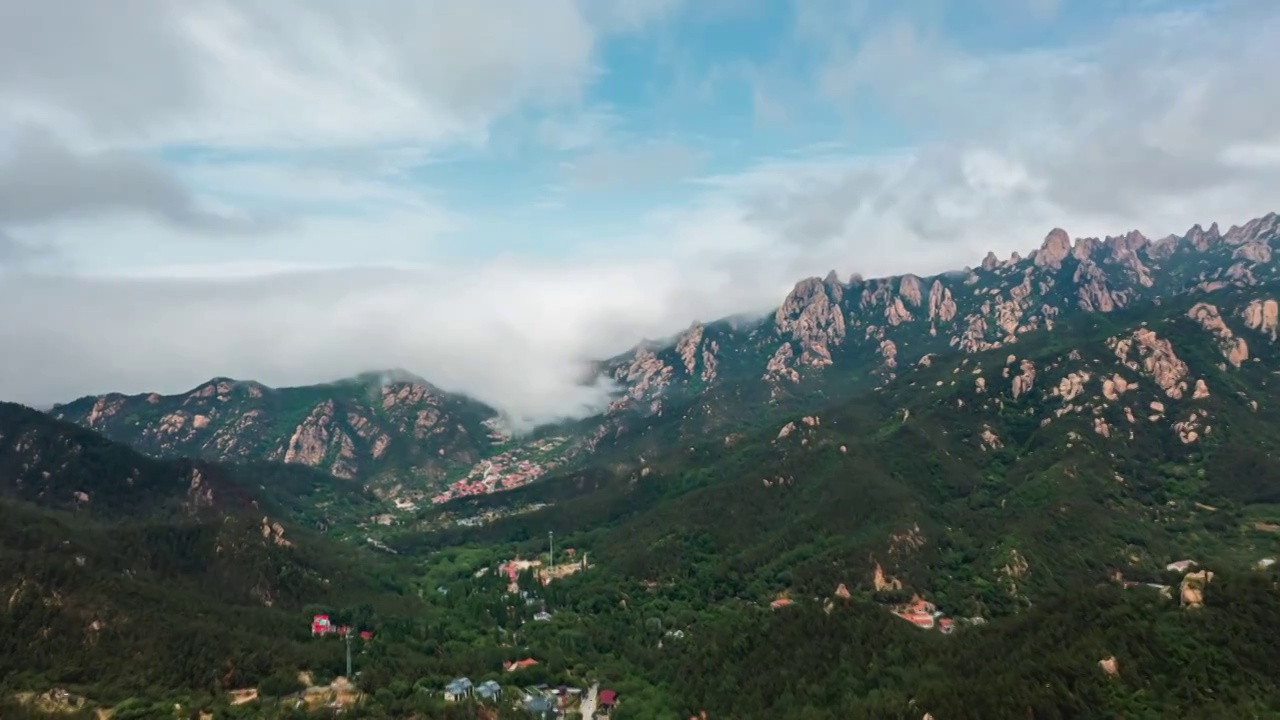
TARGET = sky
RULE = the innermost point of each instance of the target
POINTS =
(489, 193)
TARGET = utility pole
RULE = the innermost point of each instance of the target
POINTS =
(348, 639)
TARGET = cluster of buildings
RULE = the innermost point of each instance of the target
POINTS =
(924, 615)
(462, 688)
(541, 701)
(502, 472)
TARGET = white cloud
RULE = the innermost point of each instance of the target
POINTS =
(1157, 123)
(643, 164)
(289, 73)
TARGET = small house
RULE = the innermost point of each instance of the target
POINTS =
(540, 707)
(607, 699)
(542, 616)
(489, 690)
(780, 603)
(320, 625)
(519, 664)
(946, 626)
(1180, 566)
(458, 689)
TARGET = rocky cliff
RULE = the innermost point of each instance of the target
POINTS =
(363, 427)
(877, 327)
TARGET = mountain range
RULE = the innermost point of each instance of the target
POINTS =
(411, 439)
(1090, 431)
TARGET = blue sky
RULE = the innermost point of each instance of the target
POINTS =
(566, 176)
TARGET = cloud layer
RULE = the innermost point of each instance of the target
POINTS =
(300, 192)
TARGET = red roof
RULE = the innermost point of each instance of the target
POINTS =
(918, 619)
(608, 697)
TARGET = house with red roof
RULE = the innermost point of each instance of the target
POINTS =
(320, 625)
(518, 664)
(606, 700)
(922, 620)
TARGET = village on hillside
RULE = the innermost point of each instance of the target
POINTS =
(512, 468)
(539, 700)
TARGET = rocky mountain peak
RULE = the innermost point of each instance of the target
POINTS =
(911, 289)
(1202, 240)
(812, 316)
(1130, 242)
(1085, 247)
(1054, 249)
(990, 262)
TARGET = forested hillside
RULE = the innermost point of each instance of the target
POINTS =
(1074, 515)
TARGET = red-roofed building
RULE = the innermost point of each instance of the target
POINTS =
(366, 635)
(919, 619)
(320, 625)
(780, 603)
(607, 699)
(519, 664)
(946, 626)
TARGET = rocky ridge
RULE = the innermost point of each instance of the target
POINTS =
(350, 429)
(880, 326)
(411, 439)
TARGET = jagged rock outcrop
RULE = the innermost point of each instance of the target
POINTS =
(990, 439)
(1155, 357)
(889, 353)
(1101, 427)
(882, 582)
(1262, 315)
(1234, 349)
(1110, 665)
(812, 317)
(645, 378)
(693, 346)
(319, 442)
(1192, 588)
(1085, 248)
(779, 369)
(942, 306)
(1202, 240)
(1115, 386)
(911, 290)
(897, 312)
(1056, 247)
(1025, 380)
(1071, 386)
